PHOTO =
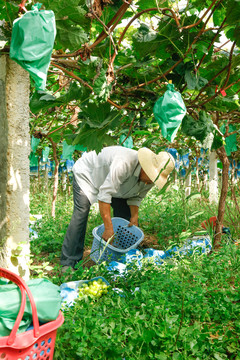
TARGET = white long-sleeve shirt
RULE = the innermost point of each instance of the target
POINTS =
(114, 172)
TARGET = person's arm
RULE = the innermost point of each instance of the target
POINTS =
(105, 212)
(134, 215)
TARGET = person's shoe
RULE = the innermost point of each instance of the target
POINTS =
(65, 268)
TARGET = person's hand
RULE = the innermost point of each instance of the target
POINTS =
(107, 234)
(133, 221)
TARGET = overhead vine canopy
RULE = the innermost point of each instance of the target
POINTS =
(118, 56)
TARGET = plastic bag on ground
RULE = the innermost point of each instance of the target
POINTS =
(32, 43)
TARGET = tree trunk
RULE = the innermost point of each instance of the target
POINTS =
(64, 181)
(55, 184)
(14, 165)
(222, 201)
(205, 180)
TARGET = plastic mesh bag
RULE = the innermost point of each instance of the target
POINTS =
(169, 111)
(32, 43)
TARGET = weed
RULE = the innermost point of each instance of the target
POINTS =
(186, 309)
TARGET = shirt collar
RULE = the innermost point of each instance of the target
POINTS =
(137, 174)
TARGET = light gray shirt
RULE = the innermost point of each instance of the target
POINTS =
(114, 172)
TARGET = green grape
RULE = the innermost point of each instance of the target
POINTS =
(93, 289)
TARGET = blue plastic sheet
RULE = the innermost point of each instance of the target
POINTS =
(195, 245)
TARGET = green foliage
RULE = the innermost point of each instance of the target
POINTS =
(51, 231)
(146, 4)
(198, 128)
(9, 10)
(96, 120)
(70, 36)
(186, 309)
(41, 100)
(71, 22)
(93, 138)
(224, 102)
(153, 50)
(98, 116)
(194, 81)
(101, 88)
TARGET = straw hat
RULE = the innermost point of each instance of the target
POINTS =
(157, 167)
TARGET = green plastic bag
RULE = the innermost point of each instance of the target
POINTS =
(169, 111)
(34, 144)
(231, 141)
(33, 159)
(32, 43)
(68, 151)
(47, 299)
(128, 143)
(45, 154)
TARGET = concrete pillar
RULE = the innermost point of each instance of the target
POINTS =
(213, 178)
(188, 184)
(205, 181)
(64, 181)
(14, 165)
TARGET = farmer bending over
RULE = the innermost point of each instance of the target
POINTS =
(117, 177)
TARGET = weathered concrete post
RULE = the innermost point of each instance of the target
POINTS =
(213, 178)
(188, 184)
(14, 167)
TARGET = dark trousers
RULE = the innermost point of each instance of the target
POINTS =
(73, 244)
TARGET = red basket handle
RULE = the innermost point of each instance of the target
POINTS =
(23, 288)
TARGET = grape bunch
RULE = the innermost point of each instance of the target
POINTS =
(93, 289)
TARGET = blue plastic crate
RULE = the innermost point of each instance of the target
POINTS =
(125, 239)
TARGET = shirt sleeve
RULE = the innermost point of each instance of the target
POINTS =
(119, 171)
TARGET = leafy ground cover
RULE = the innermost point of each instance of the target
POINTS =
(187, 308)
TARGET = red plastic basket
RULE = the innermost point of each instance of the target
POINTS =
(37, 344)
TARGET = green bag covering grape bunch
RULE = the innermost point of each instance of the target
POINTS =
(169, 111)
(32, 43)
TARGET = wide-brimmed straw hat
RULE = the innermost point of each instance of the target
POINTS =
(157, 167)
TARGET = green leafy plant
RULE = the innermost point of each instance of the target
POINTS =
(185, 308)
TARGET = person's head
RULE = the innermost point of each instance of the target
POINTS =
(155, 167)
(144, 178)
